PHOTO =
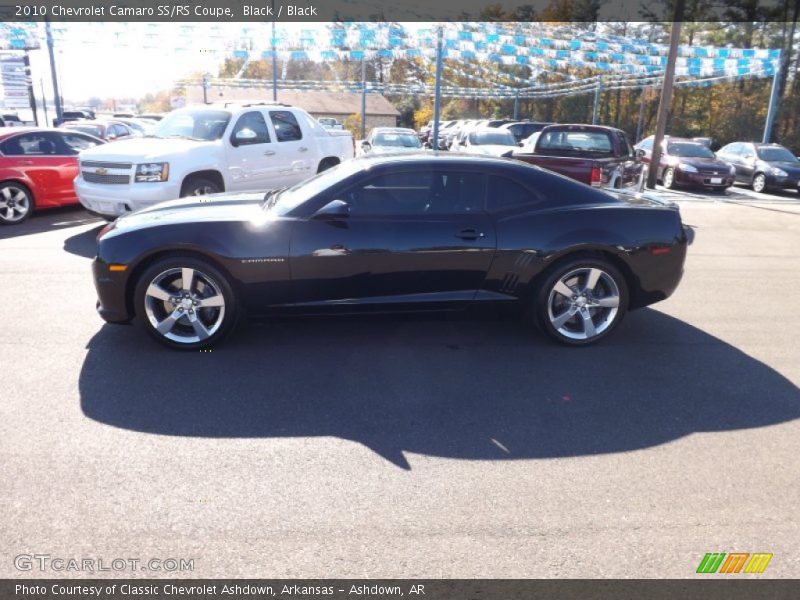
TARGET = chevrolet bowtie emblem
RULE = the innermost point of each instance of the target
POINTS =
(101, 171)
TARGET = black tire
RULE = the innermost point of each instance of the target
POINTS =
(759, 183)
(16, 203)
(327, 163)
(208, 283)
(668, 178)
(550, 305)
(199, 186)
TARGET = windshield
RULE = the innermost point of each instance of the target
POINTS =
(95, 130)
(689, 150)
(193, 123)
(396, 140)
(498, 138)
(776, 154)
(289, 199)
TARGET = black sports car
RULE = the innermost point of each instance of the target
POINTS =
(390, 233)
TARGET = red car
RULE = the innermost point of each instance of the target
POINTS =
(37, 168)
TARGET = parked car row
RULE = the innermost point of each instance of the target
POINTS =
(690, 162)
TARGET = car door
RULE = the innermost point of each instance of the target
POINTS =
(297, 153)
(732, 154)
(416, 238)
(69, 145)
(36, 155)
(253, 160)
(747, 160)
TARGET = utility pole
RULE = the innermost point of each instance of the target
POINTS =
(437, 90)
(274, 59)
(29, 83)
(640, 124)
(363, 99)
(773, 105)
(666, 95)
(597, 89)
(56, 94)
(44, 102)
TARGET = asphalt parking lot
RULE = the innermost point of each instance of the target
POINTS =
(413, 447)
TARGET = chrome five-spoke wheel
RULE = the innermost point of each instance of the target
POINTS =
(583, 302)
(15, 203)
(185, 303)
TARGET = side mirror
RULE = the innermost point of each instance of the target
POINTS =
(244, 136)
(366, 146)
(749, 157)
(335, 209)
(521, 144)
(640, 154)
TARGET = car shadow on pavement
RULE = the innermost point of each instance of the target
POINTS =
(50, 220)
(85, 243)
(484, 389)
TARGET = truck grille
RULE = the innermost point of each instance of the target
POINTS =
(113, 179)
(92, 164)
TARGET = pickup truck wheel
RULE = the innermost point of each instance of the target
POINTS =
(16, 203)
(199, 186)
(581, 301)
(185, 303)
(669, 178)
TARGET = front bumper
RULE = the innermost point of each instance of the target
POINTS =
(116, 200)
(790, 182)
(703, 179)
(112, 304)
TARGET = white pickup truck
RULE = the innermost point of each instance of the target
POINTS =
(208, 149)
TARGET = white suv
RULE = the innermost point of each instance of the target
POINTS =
(208, 149)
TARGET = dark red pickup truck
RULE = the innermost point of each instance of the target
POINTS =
(592, 154)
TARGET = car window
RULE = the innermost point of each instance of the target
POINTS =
(624, 144)
(505, 193)
(253, 122)
(31, 144)
(570, 141)
(775, 154)
(646, 144)
(689, 150)
(75, 142)
(287, 129)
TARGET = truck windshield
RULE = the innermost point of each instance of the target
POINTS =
(575, 141)
(196, 124)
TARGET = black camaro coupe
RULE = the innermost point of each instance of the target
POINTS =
(393, 233)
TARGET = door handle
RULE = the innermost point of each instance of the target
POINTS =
(26, 162)
(302, 149)
(469, 234)
(269, 153)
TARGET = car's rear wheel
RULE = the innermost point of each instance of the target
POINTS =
(669, 178)
(199, 186)
(16, 203)
(185, 303)
(581, 301)
(759, 182)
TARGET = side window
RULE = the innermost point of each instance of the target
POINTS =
(624, 145)
(74, 143)
(251, 128)
(456, 193)
(287, 129)
(505, 193)
(391, 194)
(32, 144)
(647, 144)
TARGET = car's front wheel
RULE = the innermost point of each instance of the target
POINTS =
(669, 178)
(199, 186)
(185, 303)
(759, 183)
(581, 301)
(16, 203)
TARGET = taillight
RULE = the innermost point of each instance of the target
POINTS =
(596, 179)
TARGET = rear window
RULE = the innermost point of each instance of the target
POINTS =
(595, 142)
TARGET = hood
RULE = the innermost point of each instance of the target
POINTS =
(492, 150)
(789, 167)
(143, 149)
(195, 209)
(707, 163)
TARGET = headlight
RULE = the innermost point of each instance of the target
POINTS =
(778, 172)
(687, 168)
(152, 172)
